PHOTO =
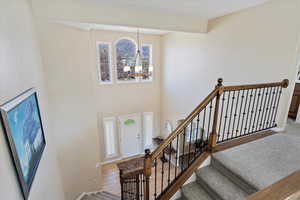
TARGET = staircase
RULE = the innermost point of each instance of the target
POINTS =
(227, 116)
(216, 182)
(100, 196)
(238, 172)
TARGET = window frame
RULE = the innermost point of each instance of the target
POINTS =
(151, 61)
(115, 135)
(115, 59)
(100, 82)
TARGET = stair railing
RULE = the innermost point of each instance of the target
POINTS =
(227, 113)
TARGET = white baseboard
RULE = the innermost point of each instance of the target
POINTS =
(278, 129)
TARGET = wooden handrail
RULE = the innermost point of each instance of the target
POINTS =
(283, 84)
(218, 90)
(184, 123)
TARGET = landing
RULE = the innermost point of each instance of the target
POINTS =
(264, 161)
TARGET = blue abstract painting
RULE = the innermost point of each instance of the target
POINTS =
(26, 137)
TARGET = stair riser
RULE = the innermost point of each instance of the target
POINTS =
(233, 177)
(207, 188)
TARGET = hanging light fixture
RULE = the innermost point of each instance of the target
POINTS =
(138, 62)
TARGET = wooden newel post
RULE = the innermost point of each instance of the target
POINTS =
(147, 173)
(214, 135)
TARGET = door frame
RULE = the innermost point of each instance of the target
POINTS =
(140, 130)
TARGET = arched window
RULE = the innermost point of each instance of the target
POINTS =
(125, 56)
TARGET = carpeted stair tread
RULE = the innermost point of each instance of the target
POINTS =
(264, 161)
(218, 185)
(111, 195)
(100, 196)
(193, 191)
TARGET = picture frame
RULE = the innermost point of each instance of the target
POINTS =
(22, 124)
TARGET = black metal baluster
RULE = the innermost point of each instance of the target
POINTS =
(274, 105)
(137, 187)
(142, 191)
(270, 108)
(203, 125)
(263, 109)
(274, 119)
(190, 142)
(155, 178)
(209, 119)
(259, 110)
(182, 156)
(248, 113)
(240, 113)
(221, 117)
(176, 156)
(162, 171)
(197, 132)
(169, 172)
(252, 112)
(244, 113)
(230, 117)
(226, 116)
(267, 107)
(235, 114)
(143, 185)
(256, 108)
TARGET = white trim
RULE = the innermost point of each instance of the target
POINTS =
(114, 121)
(143, 129)
(99, 63)
(81, 196)
(278, 129)
(151, 62)
(19, 99)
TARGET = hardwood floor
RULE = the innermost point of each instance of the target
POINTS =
(111, 180)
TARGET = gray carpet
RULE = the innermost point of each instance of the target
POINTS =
(100, 196)
(265, 161)
(292, 128)
(241, 171)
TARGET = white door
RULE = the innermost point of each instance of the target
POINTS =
(130, 135)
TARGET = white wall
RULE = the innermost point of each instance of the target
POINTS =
(127, 98)
(252, 46)
(67, 60)
(21, 69)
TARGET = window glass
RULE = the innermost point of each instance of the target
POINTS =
(110, 137)
(125, 57)
(147, 62)
(104, 63)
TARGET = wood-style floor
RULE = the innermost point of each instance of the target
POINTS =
(111, 180)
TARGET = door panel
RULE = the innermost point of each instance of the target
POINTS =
(130, 135)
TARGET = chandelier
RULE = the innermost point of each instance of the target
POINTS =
(138, 63)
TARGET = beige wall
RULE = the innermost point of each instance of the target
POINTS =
(67, 60)
(21, 69)
(256, 45)
(127, 98)
(78, 103)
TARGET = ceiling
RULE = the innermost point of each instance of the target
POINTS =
(91, 26)
(207, 9)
